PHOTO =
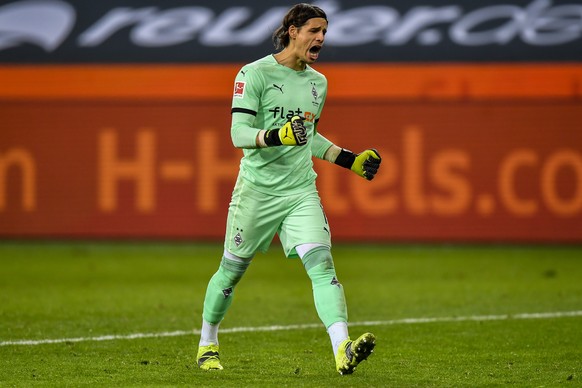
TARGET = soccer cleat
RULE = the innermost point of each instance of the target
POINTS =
(208, 358)
(351, 353)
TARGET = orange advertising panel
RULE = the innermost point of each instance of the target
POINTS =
(472, 170)
(346, 81)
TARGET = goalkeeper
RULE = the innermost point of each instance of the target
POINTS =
(276, 106)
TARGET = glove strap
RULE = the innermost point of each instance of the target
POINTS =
(345, 159)
(272, 138)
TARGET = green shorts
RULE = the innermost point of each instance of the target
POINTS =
(254, 218)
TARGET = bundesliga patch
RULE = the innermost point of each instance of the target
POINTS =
(239, 89)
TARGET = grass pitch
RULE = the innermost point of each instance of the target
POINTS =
(125, 314)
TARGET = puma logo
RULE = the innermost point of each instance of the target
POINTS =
(279, 87)
(287, 135)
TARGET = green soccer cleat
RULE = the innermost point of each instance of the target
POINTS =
(351, 353)
(208, 358)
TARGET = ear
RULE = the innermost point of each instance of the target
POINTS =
(293, 32)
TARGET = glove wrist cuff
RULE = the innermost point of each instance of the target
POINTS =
(272, 138)
(345, 159)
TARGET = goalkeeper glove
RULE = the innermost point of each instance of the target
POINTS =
(365, 164)
(293, 133)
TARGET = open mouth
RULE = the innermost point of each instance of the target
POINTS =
(314, 52)
(315, 49)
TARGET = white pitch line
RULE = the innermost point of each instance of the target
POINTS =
(405, 321)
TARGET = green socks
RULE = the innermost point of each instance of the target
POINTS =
(328, 293)
(220, 289)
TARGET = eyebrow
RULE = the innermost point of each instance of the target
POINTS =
(318, 29)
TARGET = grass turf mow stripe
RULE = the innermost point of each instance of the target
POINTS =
(503, 317)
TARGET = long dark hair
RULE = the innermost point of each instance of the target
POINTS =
(297, 16)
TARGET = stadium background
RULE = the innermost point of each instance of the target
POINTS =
(115, 118)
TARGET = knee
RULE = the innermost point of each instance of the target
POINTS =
(233, 268)
(319, 264)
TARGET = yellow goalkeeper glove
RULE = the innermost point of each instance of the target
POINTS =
(293, 133)
(365, 164)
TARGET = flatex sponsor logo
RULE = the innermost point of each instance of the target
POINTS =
(108, 31)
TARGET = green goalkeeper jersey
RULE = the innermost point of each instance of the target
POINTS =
(266, 96)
